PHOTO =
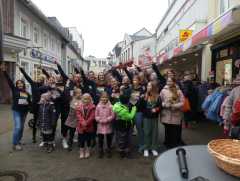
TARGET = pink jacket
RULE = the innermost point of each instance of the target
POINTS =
(104, 117)
(172, 115)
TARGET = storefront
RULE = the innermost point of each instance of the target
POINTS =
(223, 36)
(12, 45)
(224, 56)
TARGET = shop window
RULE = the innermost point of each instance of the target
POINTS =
(224, 72)
(224, 5)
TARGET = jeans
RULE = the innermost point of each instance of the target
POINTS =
(139, 126)
(19, 120)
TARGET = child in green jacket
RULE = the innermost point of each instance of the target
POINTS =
(125, 114)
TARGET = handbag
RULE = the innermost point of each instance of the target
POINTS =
(186, 106)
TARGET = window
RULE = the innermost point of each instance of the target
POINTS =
(52, 44)
(224, 5)
(35, 35)
(45, 41)
(24, 28)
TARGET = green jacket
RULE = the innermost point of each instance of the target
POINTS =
(123, 112)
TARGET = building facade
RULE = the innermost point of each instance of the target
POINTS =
(188, 34)
(138, 47)
(33, 40)
(98, 64)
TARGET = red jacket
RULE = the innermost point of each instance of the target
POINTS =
(85, 120)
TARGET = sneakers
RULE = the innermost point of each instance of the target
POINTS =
(81, 153)
(17, 148)
(155, 153)
(146, 153)
(41, 144)
(64, 143)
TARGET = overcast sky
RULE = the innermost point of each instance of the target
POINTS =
(104, 22)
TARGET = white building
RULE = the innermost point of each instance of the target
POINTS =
(97, 64)
(139, 48)
(31, 39)
(210, 23)
(77, 37)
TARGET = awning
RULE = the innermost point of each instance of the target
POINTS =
(223, 24)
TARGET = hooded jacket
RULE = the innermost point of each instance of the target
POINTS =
(104, 116)
(124, 116)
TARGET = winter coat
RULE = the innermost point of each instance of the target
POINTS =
(85, 118)
(233, 97)
(169, 115)
(124, 116)
(21, 99)
(190, 92)
(104, 116)
(46, 117)
(149, 106)
(72, 119)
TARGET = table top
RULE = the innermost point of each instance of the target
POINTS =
(200, 163)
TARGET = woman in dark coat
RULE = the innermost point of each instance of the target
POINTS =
(20, 106)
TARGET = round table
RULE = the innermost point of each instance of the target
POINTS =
(200, 163)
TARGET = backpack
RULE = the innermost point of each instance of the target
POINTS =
(235, 117)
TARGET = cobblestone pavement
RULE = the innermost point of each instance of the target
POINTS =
(62, 165)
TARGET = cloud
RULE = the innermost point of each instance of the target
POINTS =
(104, 22)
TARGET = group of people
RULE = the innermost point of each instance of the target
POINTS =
(108, 105)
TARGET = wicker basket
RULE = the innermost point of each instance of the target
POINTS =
(226, 153)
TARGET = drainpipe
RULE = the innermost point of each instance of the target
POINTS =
(1, 32)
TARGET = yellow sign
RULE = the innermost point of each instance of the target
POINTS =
(184, 35)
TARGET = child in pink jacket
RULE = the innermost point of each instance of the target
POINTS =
(104, 117)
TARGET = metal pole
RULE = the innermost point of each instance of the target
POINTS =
(1, 31)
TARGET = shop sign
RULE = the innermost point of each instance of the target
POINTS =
(39, 55)
(184, 35)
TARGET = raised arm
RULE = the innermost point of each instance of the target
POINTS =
(161, 79)
(45, 73)
(64, 76)
(130, 76)
(27, 77)
(116, 75)
(9, 81)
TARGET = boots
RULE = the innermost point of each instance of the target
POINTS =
(100, 153)
(81, 155)
(50, 148)
(109, 153)
(87, 153)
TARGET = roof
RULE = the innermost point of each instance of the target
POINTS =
(136, 38)
(143, 29)
(52, 22)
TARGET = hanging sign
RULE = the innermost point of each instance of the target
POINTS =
(184, 35)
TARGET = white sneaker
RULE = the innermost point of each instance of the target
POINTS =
(41, 144)
(146, 153)
(64, 143)
(155, 153)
